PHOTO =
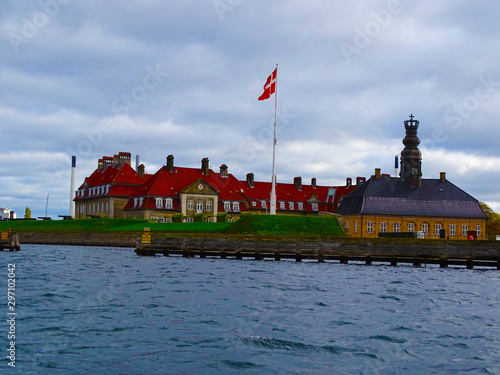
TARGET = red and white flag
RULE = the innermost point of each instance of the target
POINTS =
(270, 86)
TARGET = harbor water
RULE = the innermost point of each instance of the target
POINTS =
(96, 310)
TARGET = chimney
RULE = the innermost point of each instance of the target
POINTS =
(205, 166)
(141, 170)
(223, 170)
(137, 163)
(360, 180)
(377, 173)
(170, 163)
(313, 183)
(298, 182)
(250, 179)
(442, 176)
(348, 181)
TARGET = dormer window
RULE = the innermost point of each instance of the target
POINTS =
(227, 206)
(159, 202)
(169, 204)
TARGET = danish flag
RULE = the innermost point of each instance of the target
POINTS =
(270, 86)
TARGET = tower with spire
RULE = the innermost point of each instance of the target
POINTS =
(411, 158)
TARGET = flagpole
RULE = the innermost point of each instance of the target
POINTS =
(272, 210)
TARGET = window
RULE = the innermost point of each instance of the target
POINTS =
(199, 206)
(383, 227)
(282, 205)
(227, 206)
(453, 229)
(369, 227)
(355, 227)
(347, 225)
(263, 204)
(136, 202)
(425, 228)
(411, 227)
(465, 229)
(141, 200)
(291, 205)
(190, 204)
(395, 227)
(314, 206)
(300, 206)
(159, 202)
(107, 206)
(210, 205)
(236, 206)
(437, 229)
(189, 220)
(169, 204)
(477, 228)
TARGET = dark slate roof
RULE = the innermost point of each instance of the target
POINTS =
(392, 196)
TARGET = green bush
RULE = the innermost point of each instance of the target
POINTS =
(177, 218)
(223, 217)
(200, 218)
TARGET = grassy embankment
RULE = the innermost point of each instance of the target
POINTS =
(264, 225)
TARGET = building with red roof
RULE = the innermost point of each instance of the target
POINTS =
(106, 191)
(114, 189)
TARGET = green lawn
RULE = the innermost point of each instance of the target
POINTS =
(249, 224)
(281, 225)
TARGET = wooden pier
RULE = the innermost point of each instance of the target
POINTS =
(9, 241)
(468, 254)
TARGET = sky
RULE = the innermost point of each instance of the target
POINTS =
(182, 77)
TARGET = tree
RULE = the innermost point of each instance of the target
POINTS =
(493, 222)
(27, 213)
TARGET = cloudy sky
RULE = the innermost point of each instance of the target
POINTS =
(153, 78)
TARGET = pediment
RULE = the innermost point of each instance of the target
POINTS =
(200, 186)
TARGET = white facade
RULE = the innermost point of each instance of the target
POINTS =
(5, 213)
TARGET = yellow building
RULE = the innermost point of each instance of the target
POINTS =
(435, 208)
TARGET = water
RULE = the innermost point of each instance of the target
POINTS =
(84, 310)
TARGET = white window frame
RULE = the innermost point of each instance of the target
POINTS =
(411, 227)
(291, 205)
(425, 228)
(437, 228)
(477, 228)
(210, 205)
(453, 230)
(263, 204)
(395, 227)
(282, 205)
(300, 206)
(355, 227)
(169, 203)
(314, 206)
(236, 206)
(369, 227)
(227, 206)
(159, 203)
(190, 204)
(465, 229)
(199, 206)
(383, 227)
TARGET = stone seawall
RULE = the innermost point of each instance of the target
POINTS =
(379, 247)
(83, 239)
